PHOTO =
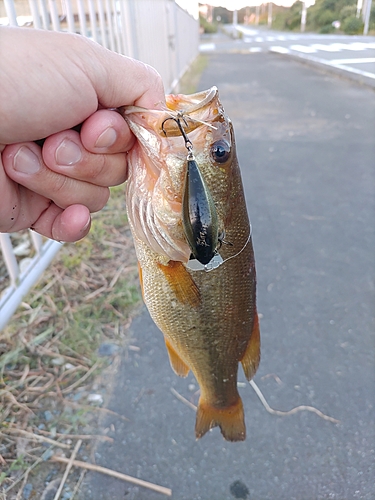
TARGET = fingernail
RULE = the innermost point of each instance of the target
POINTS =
(106, 138)
(68, 153)
(87, 225)
(26, 161)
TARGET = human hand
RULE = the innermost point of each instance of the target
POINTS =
(53, 82)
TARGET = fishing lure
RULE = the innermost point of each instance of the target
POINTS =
(199, 217)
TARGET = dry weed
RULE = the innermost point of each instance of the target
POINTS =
(49, 351)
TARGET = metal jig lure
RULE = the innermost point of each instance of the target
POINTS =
(199, 216)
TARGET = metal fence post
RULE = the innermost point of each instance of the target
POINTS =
(92, 16)
(11, 12)
(54, 15)
(9, 258)
(45, 15)
(35, 14)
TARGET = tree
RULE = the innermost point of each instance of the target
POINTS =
(321, 15)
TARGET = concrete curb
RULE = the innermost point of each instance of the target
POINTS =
(348, 73)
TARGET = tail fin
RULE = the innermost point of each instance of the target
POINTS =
(230, 420)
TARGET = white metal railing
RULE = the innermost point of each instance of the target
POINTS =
(157, 32)
(23, 274)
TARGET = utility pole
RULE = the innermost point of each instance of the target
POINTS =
(366, 15)
(359, 7)
(270, 14)
(303, 17)
(257, 8)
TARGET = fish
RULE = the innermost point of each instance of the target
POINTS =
(187, 213)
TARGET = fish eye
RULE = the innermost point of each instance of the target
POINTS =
(220, 151)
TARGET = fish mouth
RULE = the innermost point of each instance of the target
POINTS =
(153, 127)
(193, 102)
(186, 108)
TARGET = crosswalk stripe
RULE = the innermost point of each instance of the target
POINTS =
(303, 48)
(358, 46)
(358, 60)
(279, 49)
(333, 47)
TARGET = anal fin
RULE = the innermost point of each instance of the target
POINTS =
(251, 358)
(179, 366)
(230, 420)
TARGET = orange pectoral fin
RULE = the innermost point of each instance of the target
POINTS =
(181, 283)
(251, 358)
(230, 420)
(141, 280)
(179, 366)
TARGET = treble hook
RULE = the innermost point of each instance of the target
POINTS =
(188, 143)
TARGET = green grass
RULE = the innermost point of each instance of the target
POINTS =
(190, 80)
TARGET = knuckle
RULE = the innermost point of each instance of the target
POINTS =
(61, 185)
(100, 200)
(108, 169)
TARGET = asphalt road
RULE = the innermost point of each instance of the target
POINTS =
(354, 55)
(306, 144)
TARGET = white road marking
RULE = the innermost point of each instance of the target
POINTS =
(332, 47)
(280, 50)
(349, 68)
(358, 46)
(358, 60)
(246, 31)
(335, 63)
(204, 47)
(306, 49)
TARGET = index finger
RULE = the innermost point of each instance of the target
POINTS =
(126, 81)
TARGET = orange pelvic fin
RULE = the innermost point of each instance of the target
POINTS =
(182, 283)
(230, 420)
(251, 358)
(179, 366)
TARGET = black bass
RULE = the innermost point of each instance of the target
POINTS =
(192, 234)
